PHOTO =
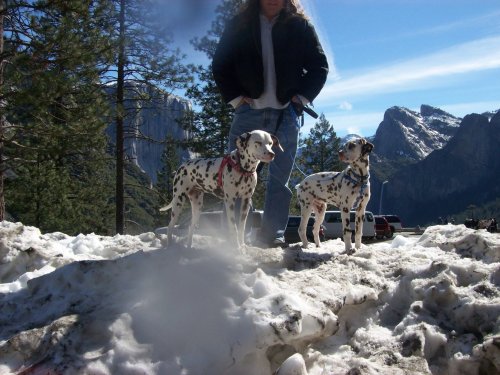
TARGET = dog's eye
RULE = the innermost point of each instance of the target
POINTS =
(351, 146)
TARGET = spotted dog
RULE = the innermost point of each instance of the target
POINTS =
(345, 190)
(229, 178)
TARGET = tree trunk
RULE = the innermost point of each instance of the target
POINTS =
(120, 115)
(2, 117)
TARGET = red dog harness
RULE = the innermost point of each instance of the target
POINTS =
(227, 160)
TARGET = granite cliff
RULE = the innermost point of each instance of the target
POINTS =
(148, 124)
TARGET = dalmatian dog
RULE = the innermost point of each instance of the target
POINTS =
(230, 178)
(345, 190)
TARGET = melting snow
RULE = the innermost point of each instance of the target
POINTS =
(126, 305)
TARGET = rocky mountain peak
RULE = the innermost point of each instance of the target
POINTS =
(411, 136)
(494, 117)
(428, 110)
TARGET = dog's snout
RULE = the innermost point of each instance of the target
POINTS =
(271, 154)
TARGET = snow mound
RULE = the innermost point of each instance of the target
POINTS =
(478, 244)
(127, 305)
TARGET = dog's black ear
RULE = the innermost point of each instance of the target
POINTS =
(367, 148)
(242, 141)
(276, 142)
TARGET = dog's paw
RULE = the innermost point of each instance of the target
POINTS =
(242, 249)
(349, 251)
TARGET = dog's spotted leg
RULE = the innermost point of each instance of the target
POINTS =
(319, 214)
(360, 217)
(196, 198)
(177, 204)
(305, 213)
(245, 207)
(230, 203)
(347, 232)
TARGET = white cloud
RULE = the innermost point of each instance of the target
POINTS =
(416, 73)
(346, 106)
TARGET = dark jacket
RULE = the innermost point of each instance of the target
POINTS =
(300, 63)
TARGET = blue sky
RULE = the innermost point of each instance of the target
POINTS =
(382, 53)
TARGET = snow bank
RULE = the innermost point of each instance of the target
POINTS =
(125, 305)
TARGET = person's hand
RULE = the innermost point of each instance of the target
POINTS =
(247, 100)
(240, 100)
(297, 105)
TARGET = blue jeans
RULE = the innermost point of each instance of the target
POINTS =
(278, 194)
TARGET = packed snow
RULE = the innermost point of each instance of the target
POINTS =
(91, 304)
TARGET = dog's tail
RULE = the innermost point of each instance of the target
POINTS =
(166, 208)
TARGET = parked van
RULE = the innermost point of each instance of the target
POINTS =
(333, 224)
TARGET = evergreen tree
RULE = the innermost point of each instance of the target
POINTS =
(319, 149)
(54, 142)
(2, 116)
(164, 186)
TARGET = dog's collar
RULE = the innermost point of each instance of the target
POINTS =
(356, 179)
(236, 165)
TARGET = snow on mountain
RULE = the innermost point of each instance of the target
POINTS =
(127, 305)
(350, 137)
(490, 114)
(411, 135)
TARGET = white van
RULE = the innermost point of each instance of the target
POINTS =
(333, 224)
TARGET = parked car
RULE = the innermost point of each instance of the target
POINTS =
(333, 224)
(394, 222)
(292, 230)
(382, 228)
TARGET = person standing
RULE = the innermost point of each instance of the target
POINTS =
(269, 63)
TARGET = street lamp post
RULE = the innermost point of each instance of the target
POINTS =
(381, 196)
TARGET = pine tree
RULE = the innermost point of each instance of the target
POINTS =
(319, 150)
(2, 115)
(54, 140)
(164, 186)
